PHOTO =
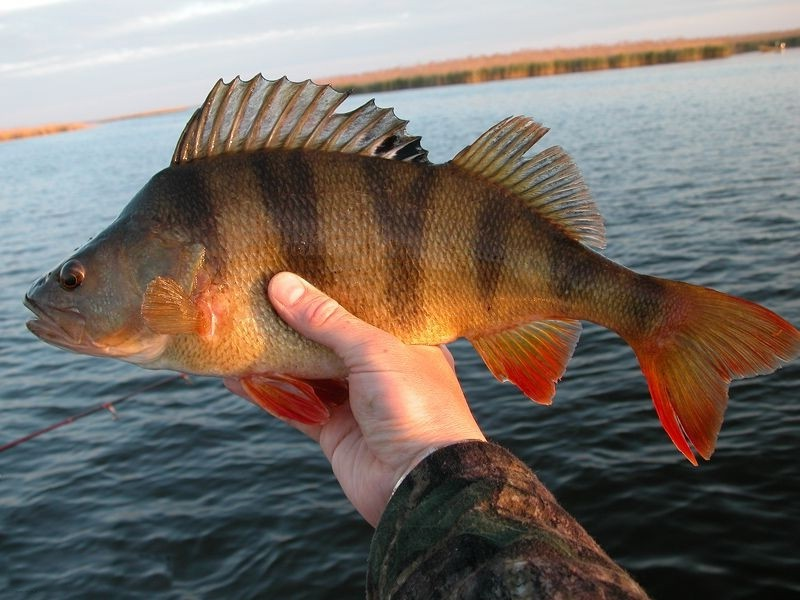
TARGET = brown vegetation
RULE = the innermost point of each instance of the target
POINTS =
(554, 61)
(523, 63)
(7, 135)
(147, 113)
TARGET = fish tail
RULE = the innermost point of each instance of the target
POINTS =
(701, 341)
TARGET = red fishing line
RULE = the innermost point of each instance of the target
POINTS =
(109, 406)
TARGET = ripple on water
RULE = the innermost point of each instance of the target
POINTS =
(195, 493)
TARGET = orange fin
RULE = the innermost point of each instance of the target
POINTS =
(533, 357)
(167, 308)
(288, 397)
(333, 392)
(708, 339)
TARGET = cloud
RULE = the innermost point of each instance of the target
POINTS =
(57, 64)
(12, 6)
(727, 17)
(189, 12)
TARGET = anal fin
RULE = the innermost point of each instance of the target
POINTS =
(287, 397)
(533, 356)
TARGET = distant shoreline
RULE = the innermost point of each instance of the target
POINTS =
(558, 61)
(139, 115)
(514, 65)
(18, 133)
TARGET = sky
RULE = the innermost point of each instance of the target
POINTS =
(75, 60)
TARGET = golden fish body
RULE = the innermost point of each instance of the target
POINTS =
(425, 252)
(494, 246)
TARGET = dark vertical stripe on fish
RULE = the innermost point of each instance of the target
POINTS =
(489, 250)
(400, 209)
(288, 194)
(570, 281)
(645, 306)
(565, 276)
(190, 198)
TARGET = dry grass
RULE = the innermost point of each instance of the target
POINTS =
(7, 135)
(524, 63)
(147, 113)
(532, 63)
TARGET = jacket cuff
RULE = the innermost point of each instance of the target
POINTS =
(472, 520)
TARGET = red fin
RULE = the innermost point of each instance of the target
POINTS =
(288, 397)
(168, 309)
(708, 339)
(533, 357)
(332, 392)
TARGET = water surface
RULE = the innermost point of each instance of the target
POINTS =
(195, 493)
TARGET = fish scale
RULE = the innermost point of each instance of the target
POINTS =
(499, 245)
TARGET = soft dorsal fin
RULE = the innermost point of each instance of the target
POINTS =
(260, 114)
(548, 182)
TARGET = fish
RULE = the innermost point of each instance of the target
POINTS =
(499, 245)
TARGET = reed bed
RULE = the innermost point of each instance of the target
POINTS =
(524, 63)
(558, 61)
(7, 135)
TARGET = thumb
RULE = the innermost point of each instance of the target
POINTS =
(320, 318)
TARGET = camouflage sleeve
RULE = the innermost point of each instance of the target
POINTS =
(472, 521)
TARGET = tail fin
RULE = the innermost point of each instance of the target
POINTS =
(708, 339)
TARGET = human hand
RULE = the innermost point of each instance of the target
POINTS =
(405, 401)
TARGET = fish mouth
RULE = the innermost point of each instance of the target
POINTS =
(64, 328)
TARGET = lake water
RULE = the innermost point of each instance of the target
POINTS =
(194, 493)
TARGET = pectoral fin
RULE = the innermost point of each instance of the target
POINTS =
(168, 309)
(286, 397)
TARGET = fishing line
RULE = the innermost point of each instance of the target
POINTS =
(109, 406)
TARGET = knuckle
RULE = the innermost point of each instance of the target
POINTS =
(322, 312)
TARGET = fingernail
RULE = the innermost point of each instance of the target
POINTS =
(291, 290)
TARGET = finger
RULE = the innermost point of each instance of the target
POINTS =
(319, 317)
(448, 356)
(312, 431)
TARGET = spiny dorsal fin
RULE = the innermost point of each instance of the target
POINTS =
(260, 114)
(548, 182)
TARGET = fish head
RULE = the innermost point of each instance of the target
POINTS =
(91, 303)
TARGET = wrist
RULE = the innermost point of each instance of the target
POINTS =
(426, 452)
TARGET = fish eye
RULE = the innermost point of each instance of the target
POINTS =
(71, 275)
